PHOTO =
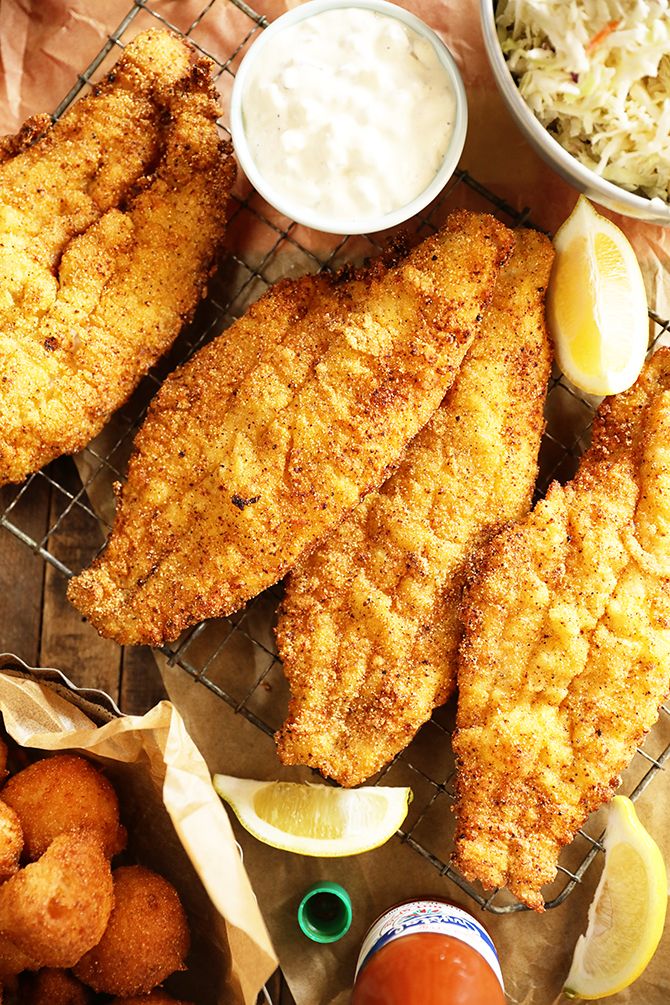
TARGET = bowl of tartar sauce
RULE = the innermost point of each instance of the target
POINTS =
(348, 116)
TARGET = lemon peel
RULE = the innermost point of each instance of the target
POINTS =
(318, 820)
(627, 915)
(596, 304)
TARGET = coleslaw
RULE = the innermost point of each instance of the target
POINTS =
(596, 73)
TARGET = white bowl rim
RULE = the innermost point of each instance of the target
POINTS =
(321, 221)
(543, 137)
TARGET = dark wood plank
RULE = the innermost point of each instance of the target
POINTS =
(68, 642)
(22, 572)
(141, 684)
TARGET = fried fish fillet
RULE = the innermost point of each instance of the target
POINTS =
(369, 629)
(566, 653)
(109, 223)
(256, 449)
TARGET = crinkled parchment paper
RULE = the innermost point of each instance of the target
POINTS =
(43, 44)
(175, 820)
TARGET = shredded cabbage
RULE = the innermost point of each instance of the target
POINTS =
(596, 73)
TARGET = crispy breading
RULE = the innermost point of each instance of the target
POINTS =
(250, 455)
(57, 908)
(54, 987)
(12, 960)
(11, 841)
(566, 654)
(109, 224)
(56, 180)
(369, 628)
(60, 794)
(146, 940)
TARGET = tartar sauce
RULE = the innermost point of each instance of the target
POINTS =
(349, 113)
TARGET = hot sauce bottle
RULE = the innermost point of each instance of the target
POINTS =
(428, 952)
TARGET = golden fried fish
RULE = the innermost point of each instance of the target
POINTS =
(110, 221)
(566, 654)
(369, 629)
(256, 449)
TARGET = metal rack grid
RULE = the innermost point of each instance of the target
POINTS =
(235, 657)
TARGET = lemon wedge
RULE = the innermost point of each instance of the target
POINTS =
(315, 819)
(627, 915)
(596, 304)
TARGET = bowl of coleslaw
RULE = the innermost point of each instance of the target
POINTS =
(588, 85)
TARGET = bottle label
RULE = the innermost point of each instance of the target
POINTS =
(429, 916)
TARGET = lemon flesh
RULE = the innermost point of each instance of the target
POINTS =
(317, 820)
(596, 304)
(627, 915)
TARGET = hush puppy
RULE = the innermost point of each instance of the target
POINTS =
(11, 841)
(147, 937)
(61, 794)
(58, 908)
(54, 987)
(12, 960)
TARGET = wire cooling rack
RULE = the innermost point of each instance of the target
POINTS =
(236, 657)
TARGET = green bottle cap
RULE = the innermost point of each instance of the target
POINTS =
(324, 914)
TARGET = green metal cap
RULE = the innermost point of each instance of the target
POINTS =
(324, 914)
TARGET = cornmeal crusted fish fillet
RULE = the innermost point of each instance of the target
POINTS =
(258, 447)
(109, 223)
(566, 655)
(369, 626)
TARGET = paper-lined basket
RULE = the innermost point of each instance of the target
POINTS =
(176, 822)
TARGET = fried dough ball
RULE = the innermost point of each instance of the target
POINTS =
(155, 998)
(61, 794)
(55, 987)
(58, 908)
(146, 939)
(11, 841)
(12, 960)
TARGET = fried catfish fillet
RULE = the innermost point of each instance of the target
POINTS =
(566, 653)
(109, 223)
(369, 628)
(256, 449)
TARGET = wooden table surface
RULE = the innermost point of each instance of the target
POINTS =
(39, 625)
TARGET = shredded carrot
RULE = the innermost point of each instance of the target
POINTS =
(601, 35)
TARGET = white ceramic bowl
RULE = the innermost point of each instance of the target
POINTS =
(576, 174)
(306, 215)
